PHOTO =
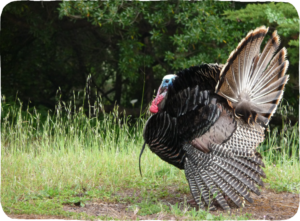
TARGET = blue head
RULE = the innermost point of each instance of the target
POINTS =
(159, 101)
(166, 82)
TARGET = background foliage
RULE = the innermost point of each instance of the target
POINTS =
(127, 47)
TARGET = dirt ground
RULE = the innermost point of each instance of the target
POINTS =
(269, 205)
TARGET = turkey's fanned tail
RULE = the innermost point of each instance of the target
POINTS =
(252, 82)
(229, 172)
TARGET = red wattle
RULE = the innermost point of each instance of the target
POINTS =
(154, 108)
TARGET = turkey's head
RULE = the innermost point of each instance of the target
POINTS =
(158, 102)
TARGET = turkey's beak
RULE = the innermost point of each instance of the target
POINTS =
(158, 93)
(161, 90)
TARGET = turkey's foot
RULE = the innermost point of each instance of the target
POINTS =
(192, 203)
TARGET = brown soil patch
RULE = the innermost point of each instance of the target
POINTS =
(269, 205)
(26, 216)
(113, 210)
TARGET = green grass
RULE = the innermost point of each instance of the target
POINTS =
(67, 158)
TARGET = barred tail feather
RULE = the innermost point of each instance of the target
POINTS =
(224, 171)
(252, 82)
(193, 185)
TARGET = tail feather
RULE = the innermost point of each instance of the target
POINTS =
(238, 175)
(252, 174)
(257, 159)
(277, 60)
(231, 168)
(242, 152)
(218, 174)
(207, 186)
(193, 185)
(264, 59)
(277, 68)
(240, 188)
(206, 194)
(263, 118)
(252, 82)
(199, 185)
(209, 182)
(225, 187)
(267, 98)
(277, 85)
(251, 165)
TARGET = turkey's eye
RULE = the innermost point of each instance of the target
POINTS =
(167, 81)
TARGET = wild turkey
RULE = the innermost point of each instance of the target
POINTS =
(209, 119)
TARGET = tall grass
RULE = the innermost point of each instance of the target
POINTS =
(67, 129)
(70, 150)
